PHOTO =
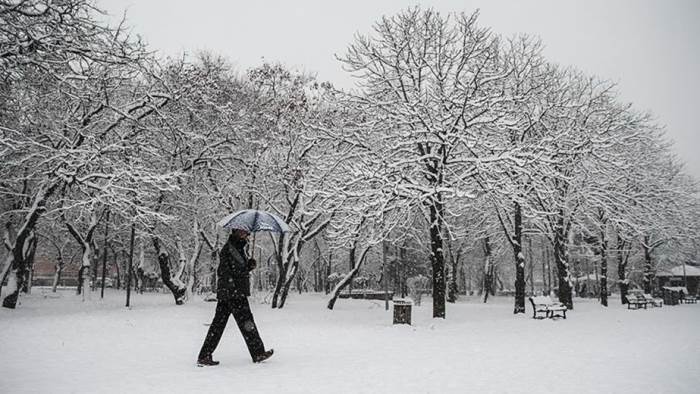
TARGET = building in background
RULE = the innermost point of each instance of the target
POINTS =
(687, 275)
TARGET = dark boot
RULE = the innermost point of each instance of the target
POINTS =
(206, 362)
(264, 356)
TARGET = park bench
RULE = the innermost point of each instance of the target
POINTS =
(367, 294)
(686, 298)
(653, 301)
(636, 300)
(550, 308)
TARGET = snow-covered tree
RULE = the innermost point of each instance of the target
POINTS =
(294, 168)
(430, 89)
(71, 86)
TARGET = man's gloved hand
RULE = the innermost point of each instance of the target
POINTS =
(252, 263)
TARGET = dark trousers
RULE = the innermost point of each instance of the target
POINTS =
(240, 309)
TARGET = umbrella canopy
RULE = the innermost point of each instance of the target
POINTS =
(254, 220)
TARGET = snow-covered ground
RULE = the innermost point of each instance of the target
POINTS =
(64, 345)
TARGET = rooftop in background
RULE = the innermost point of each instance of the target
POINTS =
(690, 270)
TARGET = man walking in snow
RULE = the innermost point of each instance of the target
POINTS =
(233, 289)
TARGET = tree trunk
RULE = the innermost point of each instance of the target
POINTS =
(138, 279)
(317, 279)
(357, 263)
(10, 300)
(399, 280)
(16, 275)
(546, 279)
(383, 281)
(115, 263)
(452, 289)
(139, 276)
(301, 281)
(531, 269)
(517, 245)
(137, 272)
(437, 257)
(497, 280)
(84, 268)
(282, 266)
(29, 257)
(81, 280)
(7, 268)
(288, 282)
(548, 266)
(104, 258)
(328, 273)
(648, 266)
(87, 245)
(130, 266)
(213, 261)
(173, 284)
(622, 269)
(488, 271)
(293, 267)
(213, 264)
(603, 268)
(468, 279)
(93, 272)
(561, 257)
(352, 279)
(188, 267)
(59, 270)
(16, 263)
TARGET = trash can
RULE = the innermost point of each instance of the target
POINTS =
(671, 296)
(676, 297)
(402, 312)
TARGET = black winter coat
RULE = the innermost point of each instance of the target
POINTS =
(233, 271)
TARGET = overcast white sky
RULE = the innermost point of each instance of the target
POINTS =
(651, 48)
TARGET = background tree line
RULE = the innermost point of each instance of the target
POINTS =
(461, 156)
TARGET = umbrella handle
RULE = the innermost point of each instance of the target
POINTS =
(255, 219)
(252, 252)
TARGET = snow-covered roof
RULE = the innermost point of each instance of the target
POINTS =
(678, 271)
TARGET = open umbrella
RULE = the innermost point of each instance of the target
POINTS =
(254, 220)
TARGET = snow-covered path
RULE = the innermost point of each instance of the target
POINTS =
(63, 345)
